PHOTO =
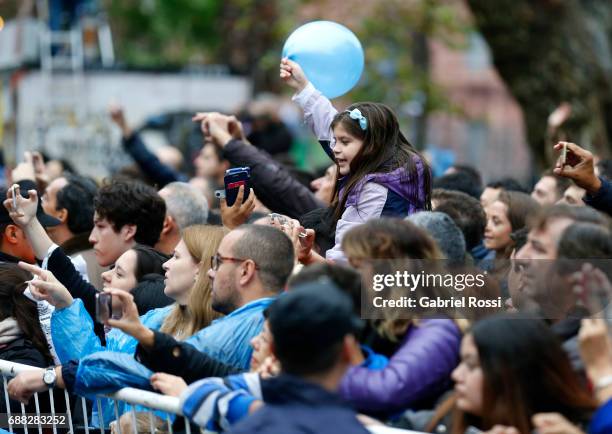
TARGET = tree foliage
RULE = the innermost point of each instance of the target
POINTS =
(238, 33)
(551, 51)
(398, 33)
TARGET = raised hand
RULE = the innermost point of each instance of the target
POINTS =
(237, 214)
(579, 167)
(118, 117)
(235, 129)
(25, 211)
(215, 126)
(292, 74)
(46, 287)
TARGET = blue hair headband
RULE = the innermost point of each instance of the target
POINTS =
(355, 114)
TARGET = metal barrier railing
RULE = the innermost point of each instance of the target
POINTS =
(134, 397)
(143, 398)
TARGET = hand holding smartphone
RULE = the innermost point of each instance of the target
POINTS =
(282, 221)
(104, 307)
(233, 179)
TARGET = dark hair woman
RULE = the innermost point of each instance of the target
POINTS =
(512, 369)
(21, 338)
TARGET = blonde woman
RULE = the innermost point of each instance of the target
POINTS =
(186, 283)
(197, 245)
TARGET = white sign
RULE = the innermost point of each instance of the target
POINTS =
(67, 114)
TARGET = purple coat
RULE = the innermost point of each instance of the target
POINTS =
(419, 370)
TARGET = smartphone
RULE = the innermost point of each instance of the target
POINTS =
(233, 179)
(104, 306)
(14, 194)
(564, 154)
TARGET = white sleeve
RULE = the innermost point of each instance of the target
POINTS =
(318, 111)
(45, 261)
(80, 265)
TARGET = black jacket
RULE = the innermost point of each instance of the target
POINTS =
(602, 200)
(148, 162)
(273, 184)
(293, 405)
(149, 293)
(181, 359)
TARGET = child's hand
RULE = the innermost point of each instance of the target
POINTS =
(292, 74)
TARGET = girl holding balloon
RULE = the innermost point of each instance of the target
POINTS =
(379, 173)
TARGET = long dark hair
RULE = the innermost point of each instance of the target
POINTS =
(521, 207)
(14, 304)
(384, 149)
(148, 261)
(525, 372)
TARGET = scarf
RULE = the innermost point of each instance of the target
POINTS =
(9, 331)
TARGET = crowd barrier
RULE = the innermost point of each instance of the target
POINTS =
(153, 401)
(128, 395)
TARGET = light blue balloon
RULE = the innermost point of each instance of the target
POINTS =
(330, 55)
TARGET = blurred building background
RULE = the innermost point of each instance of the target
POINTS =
(472, 81)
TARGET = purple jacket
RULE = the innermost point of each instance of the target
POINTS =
(419, 370)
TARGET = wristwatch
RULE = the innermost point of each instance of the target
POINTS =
(49, 377)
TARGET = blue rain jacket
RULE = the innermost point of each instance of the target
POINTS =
(226, 339)
(72, 331)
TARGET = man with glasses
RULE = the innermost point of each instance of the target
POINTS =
(250, 269)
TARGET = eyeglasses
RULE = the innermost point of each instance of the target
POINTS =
(217, 260)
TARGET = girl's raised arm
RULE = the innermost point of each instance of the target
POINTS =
(318, 110)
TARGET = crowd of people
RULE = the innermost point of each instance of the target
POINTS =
(252, 313)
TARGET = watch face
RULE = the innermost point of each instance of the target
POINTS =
(49, 377)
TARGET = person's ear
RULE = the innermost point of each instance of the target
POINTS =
(247, 272)
(128, 232)
(62, 215)
(169, 225)
(351, 351)
(12, 234)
